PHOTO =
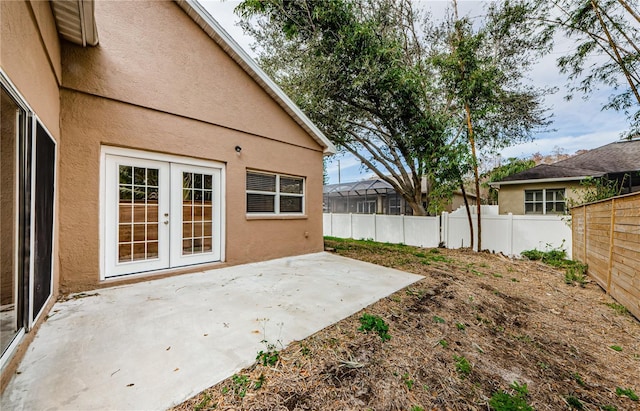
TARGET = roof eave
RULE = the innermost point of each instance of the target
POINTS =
(75, 21)
(539, 180)
(202, 17)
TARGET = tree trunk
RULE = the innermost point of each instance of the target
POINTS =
(466, 206)
(476, 176)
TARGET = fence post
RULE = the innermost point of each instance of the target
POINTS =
(510, 225)
(611, 231)
(404, 235)
(350, 225)
(331, 224)
(375, 227)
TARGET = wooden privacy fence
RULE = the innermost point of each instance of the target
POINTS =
(606, 236)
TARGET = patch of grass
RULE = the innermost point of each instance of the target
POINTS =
(417, 408)
(443, 343)
(462, 366)
(374, 323)
(305, 350)
(460, 326)
(438, 320)
(627, 392)
(574, 402)
(619, 308)
(575, 271)
(515, 280)
(511, 401)
(616, 348)
(608, 408)
(496, 275)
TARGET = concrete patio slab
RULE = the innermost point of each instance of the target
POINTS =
(152, 345)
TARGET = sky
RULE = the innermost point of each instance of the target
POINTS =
(578, 124)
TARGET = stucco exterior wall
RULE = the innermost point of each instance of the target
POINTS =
(158, 83)
(511, 196)
(30, 59)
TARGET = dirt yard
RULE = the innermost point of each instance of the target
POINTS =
(479, 332)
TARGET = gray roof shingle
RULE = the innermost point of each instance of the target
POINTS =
(617, 157)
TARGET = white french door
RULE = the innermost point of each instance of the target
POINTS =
(160, 214)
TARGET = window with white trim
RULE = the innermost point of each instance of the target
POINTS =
(270, 193)
(545, 201)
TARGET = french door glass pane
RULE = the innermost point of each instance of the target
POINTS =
(197, 212)
(138, 214)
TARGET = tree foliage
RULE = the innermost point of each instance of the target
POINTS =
(512, 166)
(376, 77)
(606, 37)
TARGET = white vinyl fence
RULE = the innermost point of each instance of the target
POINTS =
(508, 234)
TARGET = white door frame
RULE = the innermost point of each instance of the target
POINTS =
(167, 158)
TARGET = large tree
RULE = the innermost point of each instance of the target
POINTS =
(373, 74)
(605, 50)
(357, 68)
(481, 66)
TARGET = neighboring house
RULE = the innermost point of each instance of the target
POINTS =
(376, 197)
(139, 140)
(544, 189)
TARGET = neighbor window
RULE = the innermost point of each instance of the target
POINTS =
(545, 201)
(274, 193)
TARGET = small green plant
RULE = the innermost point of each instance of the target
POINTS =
(259, 382)
(443, 343)
(305, 350)
(608, 408)
(460, 326)
(616, 348)
(515, 280)
(619, 308)
(417, 408)
(578, 378)
(511, 401)
(206, 399)
(374, 323)
(574, 402)
(496, 275)
(576, 274)
(240, 383)
(543, 365)
(407, 381)
(269, 357)
(628, 392)
(438, 320)
(462, 366)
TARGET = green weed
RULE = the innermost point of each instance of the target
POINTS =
(628, 392)
(438, 320)
(462, 366)
(203, 403)
(619, 308)
(269, 357)
(407, 381)
(616, 348)
(574, 402)
(460, 326)
(511, 401)
(240, 383)
(417, 408)
(443, 343)
(578, 378)
(374, 323)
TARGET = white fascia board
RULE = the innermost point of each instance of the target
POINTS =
(251, 67)
(497, 184)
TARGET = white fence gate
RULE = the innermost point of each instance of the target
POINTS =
(508, 234)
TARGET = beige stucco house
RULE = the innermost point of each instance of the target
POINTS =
(139, 140)
(546, 188)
